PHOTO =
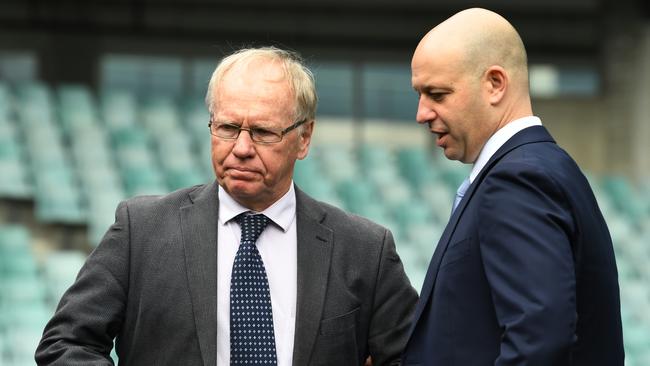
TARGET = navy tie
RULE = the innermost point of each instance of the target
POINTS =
(251, 319)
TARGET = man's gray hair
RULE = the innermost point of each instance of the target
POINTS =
(300, 78)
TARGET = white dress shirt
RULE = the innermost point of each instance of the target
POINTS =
(278, 248)
(498, 139)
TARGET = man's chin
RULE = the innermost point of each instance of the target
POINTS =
(449, 154)
(243, 189)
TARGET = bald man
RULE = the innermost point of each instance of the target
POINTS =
(524, 273)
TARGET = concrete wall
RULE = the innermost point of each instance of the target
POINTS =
(610, 133)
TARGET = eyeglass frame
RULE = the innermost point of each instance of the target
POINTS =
(280, 134)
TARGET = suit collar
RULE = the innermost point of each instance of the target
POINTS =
(315, 242)
(526, 136)
(199, 229)
(499, 139)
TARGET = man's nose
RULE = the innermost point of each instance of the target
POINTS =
(425, 113)
(244, 145)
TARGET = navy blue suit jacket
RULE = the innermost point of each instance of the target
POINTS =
(524, 273)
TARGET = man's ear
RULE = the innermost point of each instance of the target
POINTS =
(305, 139)
(496, 80)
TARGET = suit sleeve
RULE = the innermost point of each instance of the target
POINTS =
(393, 308)
(525, 230)
(90, 313)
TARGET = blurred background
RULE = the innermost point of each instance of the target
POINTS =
(103, 100)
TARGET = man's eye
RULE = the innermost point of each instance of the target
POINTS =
(437, 96)
(228, 128)
(262, 132)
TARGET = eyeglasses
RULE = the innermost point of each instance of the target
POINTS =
(231, 131)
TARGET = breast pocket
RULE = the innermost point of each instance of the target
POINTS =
(339, 324)
(455, 252)
(337, 341)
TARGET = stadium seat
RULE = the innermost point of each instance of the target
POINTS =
(60, 270)
(14, 239)
(118, 109)
(13, 181)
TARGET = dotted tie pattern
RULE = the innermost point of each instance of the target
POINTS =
(252, 341)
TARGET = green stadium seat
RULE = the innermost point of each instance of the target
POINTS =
(182, 178)
(393, 191)
(424, 236)
(97, 180)
(22, 290)
(624, 197)
(339, 163)
(357, 194)
(60, 269)
(196, 121)
(412, 211)
(34, 103)
(374, 156)
(6, 102)
(62, 205)
(118, 109)
(30, 315)
(13, 180)
(17, 266)
(204, 159)
(160, 116)
(14, 239)
(309, 177)
(177, 159)
(101, 212)
(9, 148)
(130, 136)
(414, 164)
(439, 197)
(414, 265)
(21, 344)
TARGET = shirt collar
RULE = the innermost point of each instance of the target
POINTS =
(282, 212)
(498, 139)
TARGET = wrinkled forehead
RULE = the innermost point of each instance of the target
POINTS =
(255, 88)
(253, 70)
(257, 79)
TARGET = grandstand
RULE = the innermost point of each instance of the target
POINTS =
(75, 141)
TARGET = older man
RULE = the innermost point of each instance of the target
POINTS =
(247, 270)
(524, 273)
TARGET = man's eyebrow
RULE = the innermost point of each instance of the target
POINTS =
(432, 89)
(265, 124)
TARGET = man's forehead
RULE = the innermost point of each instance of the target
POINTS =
(258, 68)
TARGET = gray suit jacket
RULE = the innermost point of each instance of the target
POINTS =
(151, 284)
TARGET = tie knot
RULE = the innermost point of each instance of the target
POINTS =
(252, 226)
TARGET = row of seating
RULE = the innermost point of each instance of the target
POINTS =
(14, 178)
(29, 290)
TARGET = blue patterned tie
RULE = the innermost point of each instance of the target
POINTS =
(251, 319)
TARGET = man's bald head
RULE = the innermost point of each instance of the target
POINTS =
(471, 75)
(479, 38)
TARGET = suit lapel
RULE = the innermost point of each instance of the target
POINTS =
(525, 136)
(434, 265)
(199, 228)
(314, 256)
